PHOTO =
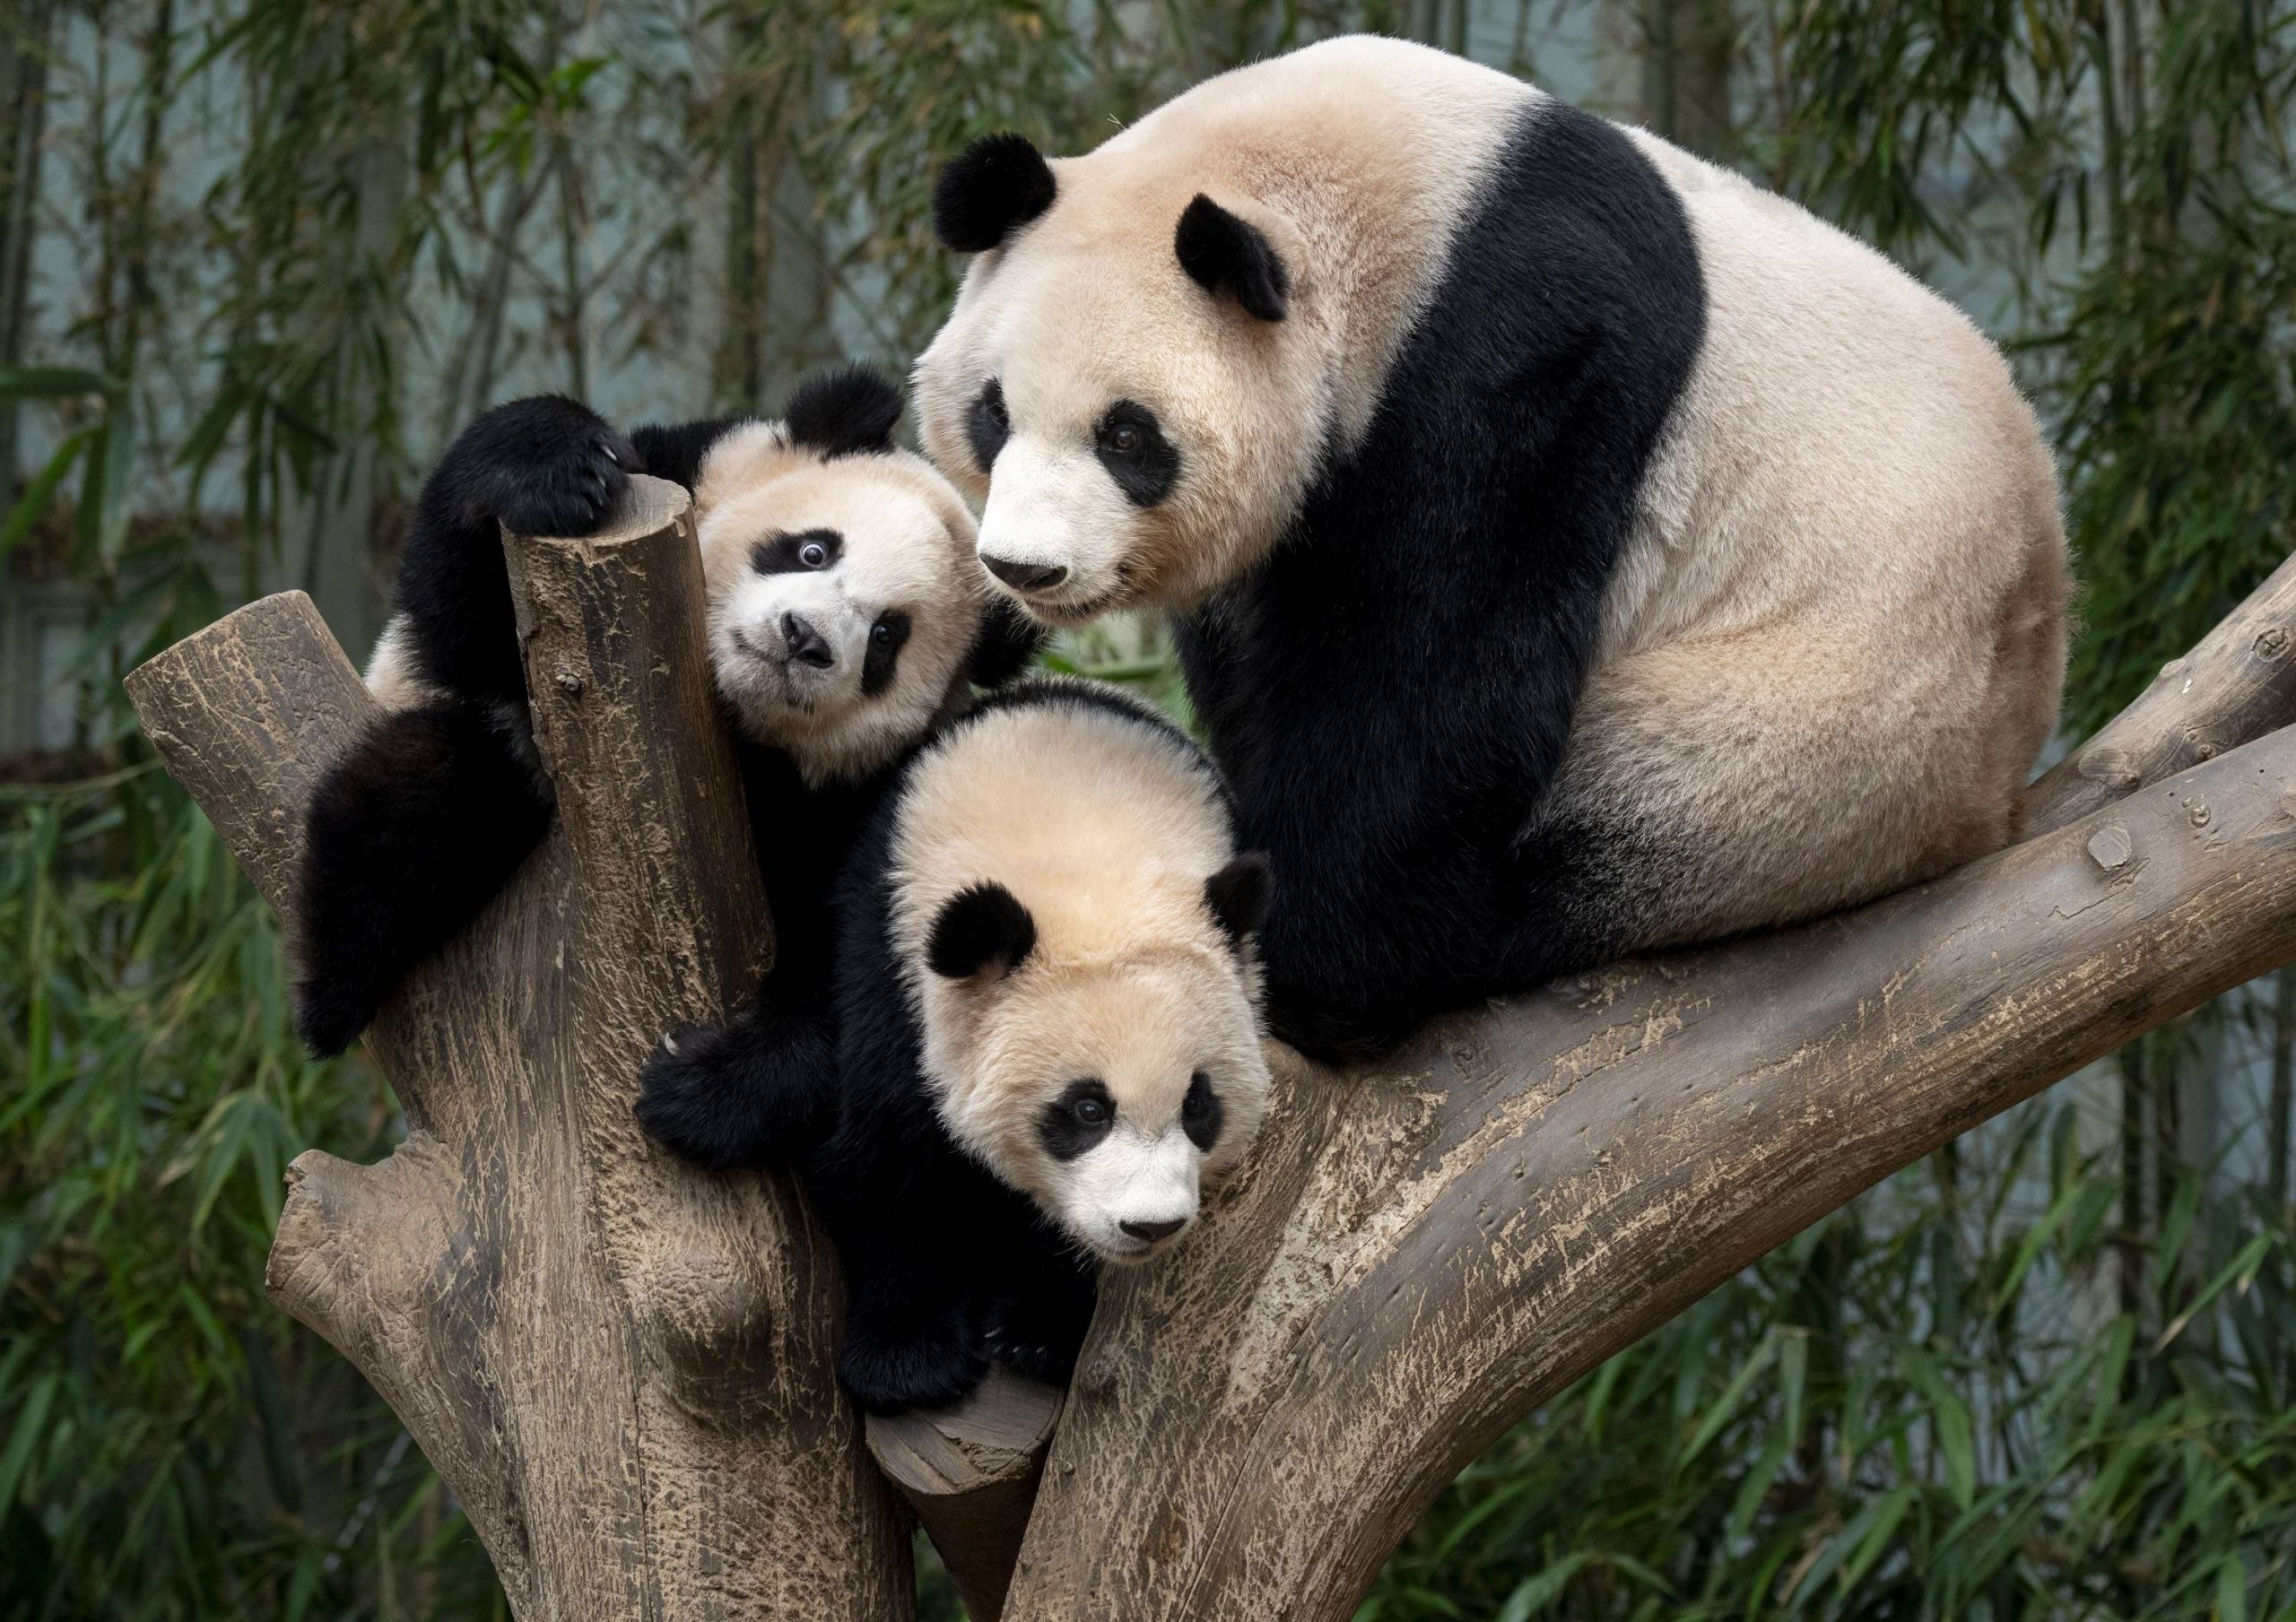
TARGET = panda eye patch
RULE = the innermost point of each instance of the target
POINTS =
(887, 638)
(805, 551)
(987, 425)
(1201, 1115)
(1131, 445)
(1078, 1120)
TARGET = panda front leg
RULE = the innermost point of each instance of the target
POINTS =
(914, 1328)
(756, 1091)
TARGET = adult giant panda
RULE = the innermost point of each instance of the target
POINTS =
(1577, 549)
(845, 619)
(1049, 1036)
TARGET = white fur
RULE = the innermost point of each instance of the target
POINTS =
(907, 541)
(1105, 830)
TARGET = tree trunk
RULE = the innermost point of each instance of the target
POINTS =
(619, 1364)
(621, 1367)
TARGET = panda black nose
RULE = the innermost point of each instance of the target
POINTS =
(1026, 577)
(807, 645)
(1153, 1231)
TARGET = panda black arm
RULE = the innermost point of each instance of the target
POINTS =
(541, 466)
(410, 833)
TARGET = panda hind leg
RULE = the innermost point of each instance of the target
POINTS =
(410, 833)
(910, 1340)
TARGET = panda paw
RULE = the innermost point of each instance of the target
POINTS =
(685, 1094)
(1034, 1344)
(329, 1014)
(545, 466)
(934, 1364)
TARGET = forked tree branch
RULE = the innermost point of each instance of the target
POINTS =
(620, 1365)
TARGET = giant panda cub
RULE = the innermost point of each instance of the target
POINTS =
(1576, 549)
(1048, 1036)
(845, 618)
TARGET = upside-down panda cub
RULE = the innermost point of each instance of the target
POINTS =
(1576, 549)
(845, 618)
(1048, 1036)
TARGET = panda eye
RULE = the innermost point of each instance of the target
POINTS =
(1124, 440)
(1089, 1111)
(812, 554)
(1198, 1102)
(1200, 1116)
(882, 632)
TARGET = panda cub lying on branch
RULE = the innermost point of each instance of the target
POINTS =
(845, 619)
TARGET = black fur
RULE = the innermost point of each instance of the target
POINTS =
(987, 425)
(409, 833)
(1131, 445)
(985, 192)
(844, 413)
(1202, 1114)
(1223, 254)
(1239, 895)
(887, 638)
(675, 451)
(417, 827)
(979, 926)
(1391, 692)
(1008, 643)
(1082, 1117)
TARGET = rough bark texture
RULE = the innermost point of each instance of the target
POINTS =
(619, 1364)
(2237, 684)
(621, 1367)
(971, 1477)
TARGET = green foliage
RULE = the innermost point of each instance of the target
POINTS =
(1930, 1405)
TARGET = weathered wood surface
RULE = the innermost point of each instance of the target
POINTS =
(620, 1365)
(2237, 684)
(971, 1476)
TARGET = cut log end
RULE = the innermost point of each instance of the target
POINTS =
(971, 1476)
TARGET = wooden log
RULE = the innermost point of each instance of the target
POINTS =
(2237, 684)
(971, 1475)
(620, 1365)
(1418, 1253)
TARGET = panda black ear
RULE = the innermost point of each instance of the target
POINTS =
(1008, 641)
(844, 413)
(1239, 895)
(978, 926)
(1225, 254)
(985, 192)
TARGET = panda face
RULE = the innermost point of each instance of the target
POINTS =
(1135, 435)
(1114, 1094)
(842, 606)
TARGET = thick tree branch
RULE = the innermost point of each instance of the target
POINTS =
(1419, 1253)
(2238, 683)
(619, 1364)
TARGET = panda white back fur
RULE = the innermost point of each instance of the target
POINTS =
(1047, 1029)
(1577, 549)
